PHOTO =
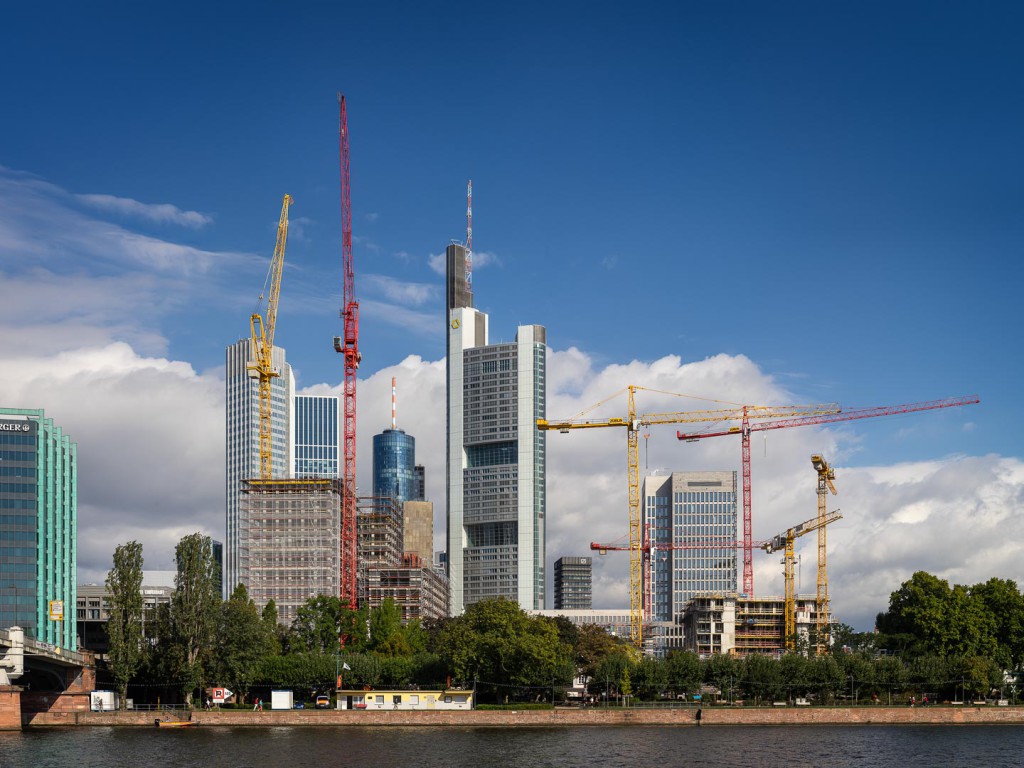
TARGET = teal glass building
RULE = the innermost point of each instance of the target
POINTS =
(38, 526)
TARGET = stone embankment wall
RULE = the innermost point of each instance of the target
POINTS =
(712, 716)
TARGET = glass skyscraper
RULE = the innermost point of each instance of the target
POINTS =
(688, 508)
(242, 441)
(38, 526)
(496, 489)
(394, 465)
(316, 436)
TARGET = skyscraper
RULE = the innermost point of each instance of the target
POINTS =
(242, 440)
(689, 508)
(496, 490)
(316, 435)
(38, 526)
(394, 459)
(573, 583)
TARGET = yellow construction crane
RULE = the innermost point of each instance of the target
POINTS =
(633, 424)
(785, 541)
(826, 475)
(261, 347)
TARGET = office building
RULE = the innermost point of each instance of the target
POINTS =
(316, 435)
(573, 583)
(38, 527)
(93, 613)
(680, 510)
(243, 440)
(289, 541)
(419, 483)
(394, 459)
(496, 460)
(418, 530)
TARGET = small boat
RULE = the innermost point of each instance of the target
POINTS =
(175, 723)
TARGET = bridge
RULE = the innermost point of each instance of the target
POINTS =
(38, 677)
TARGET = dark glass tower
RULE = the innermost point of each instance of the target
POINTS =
(394, 462)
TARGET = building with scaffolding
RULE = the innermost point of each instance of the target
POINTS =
(290, 531)
(418, 590)
(741, 626)
(242, 441)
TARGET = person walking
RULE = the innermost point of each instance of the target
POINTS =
(698, 716)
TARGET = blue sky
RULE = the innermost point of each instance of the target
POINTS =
(824, 199)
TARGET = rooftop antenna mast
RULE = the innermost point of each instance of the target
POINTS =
(469, 234)
(394, 402)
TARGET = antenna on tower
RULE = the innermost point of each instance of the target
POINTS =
(469, 234)
(394, 402)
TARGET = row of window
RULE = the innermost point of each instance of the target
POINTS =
(8, 439)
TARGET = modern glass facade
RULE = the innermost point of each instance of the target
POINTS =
(38, 526)
(496, 486)
(316, 436)
(682, 510)
(242, 441)
(394, 465)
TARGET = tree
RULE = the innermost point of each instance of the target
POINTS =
(124, 627)
(324, 621)
(243, 641)
(684, 672)
(193, 612)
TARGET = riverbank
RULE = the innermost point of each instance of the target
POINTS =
(711, 717)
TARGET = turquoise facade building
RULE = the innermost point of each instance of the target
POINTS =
(38, 527)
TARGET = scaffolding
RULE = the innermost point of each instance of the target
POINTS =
(290, 532)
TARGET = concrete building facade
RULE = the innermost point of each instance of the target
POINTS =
(418, 530)
(573, 583)
(242, 441)
(496, 463)
(38, 527)
(741, 626)
(290, 541)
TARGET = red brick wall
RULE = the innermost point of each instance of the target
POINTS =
(10, 708)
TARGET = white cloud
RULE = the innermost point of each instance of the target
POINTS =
(481, 259)
(436, 262)
(410, 294)
(162, 213)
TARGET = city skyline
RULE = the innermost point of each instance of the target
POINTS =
(790, 205)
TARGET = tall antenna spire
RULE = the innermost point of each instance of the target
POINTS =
(469, 234)
(394, 402)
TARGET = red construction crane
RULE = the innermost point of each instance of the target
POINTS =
(801, 421)
(349, 347)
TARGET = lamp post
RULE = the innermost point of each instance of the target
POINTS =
(852, 699)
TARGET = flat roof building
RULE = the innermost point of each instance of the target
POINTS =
(316, 435)
(38, 526)
(572, 584)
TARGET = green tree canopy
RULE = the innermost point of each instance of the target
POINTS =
(124, 627)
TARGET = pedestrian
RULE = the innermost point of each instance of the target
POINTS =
(698, 716)
(258, 707)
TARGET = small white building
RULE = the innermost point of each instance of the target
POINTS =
(405, 700)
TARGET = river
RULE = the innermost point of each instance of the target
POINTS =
(570, 747)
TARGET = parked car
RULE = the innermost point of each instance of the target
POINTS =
(323, 702)
(300, 705)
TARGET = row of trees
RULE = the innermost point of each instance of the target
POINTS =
(510, 655)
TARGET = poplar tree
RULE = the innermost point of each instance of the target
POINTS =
(194, 611)
(124, 627)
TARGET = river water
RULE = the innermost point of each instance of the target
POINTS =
(571, 747)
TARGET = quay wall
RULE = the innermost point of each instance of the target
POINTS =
(711, 717)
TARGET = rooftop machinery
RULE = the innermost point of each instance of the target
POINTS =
(632, 423)
(800, 421)
(785, 541)
(348, 346)
(261, 342)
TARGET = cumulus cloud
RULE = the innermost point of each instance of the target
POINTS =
(162, 213)
(481, 260)
(399, 291)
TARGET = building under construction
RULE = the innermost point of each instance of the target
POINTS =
(290, 530)
(741, 626)
(418, 590)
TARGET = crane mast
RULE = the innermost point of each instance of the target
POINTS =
(348, 346)
(826, 474)
(261, 345)
(786, 542)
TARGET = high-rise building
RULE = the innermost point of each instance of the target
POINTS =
(38, 527)
(419, 485)
(689, 508)
(289, 541)
(496, 490)
(242, 425)
(394, 456)
(316, 435)
(573, 583)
